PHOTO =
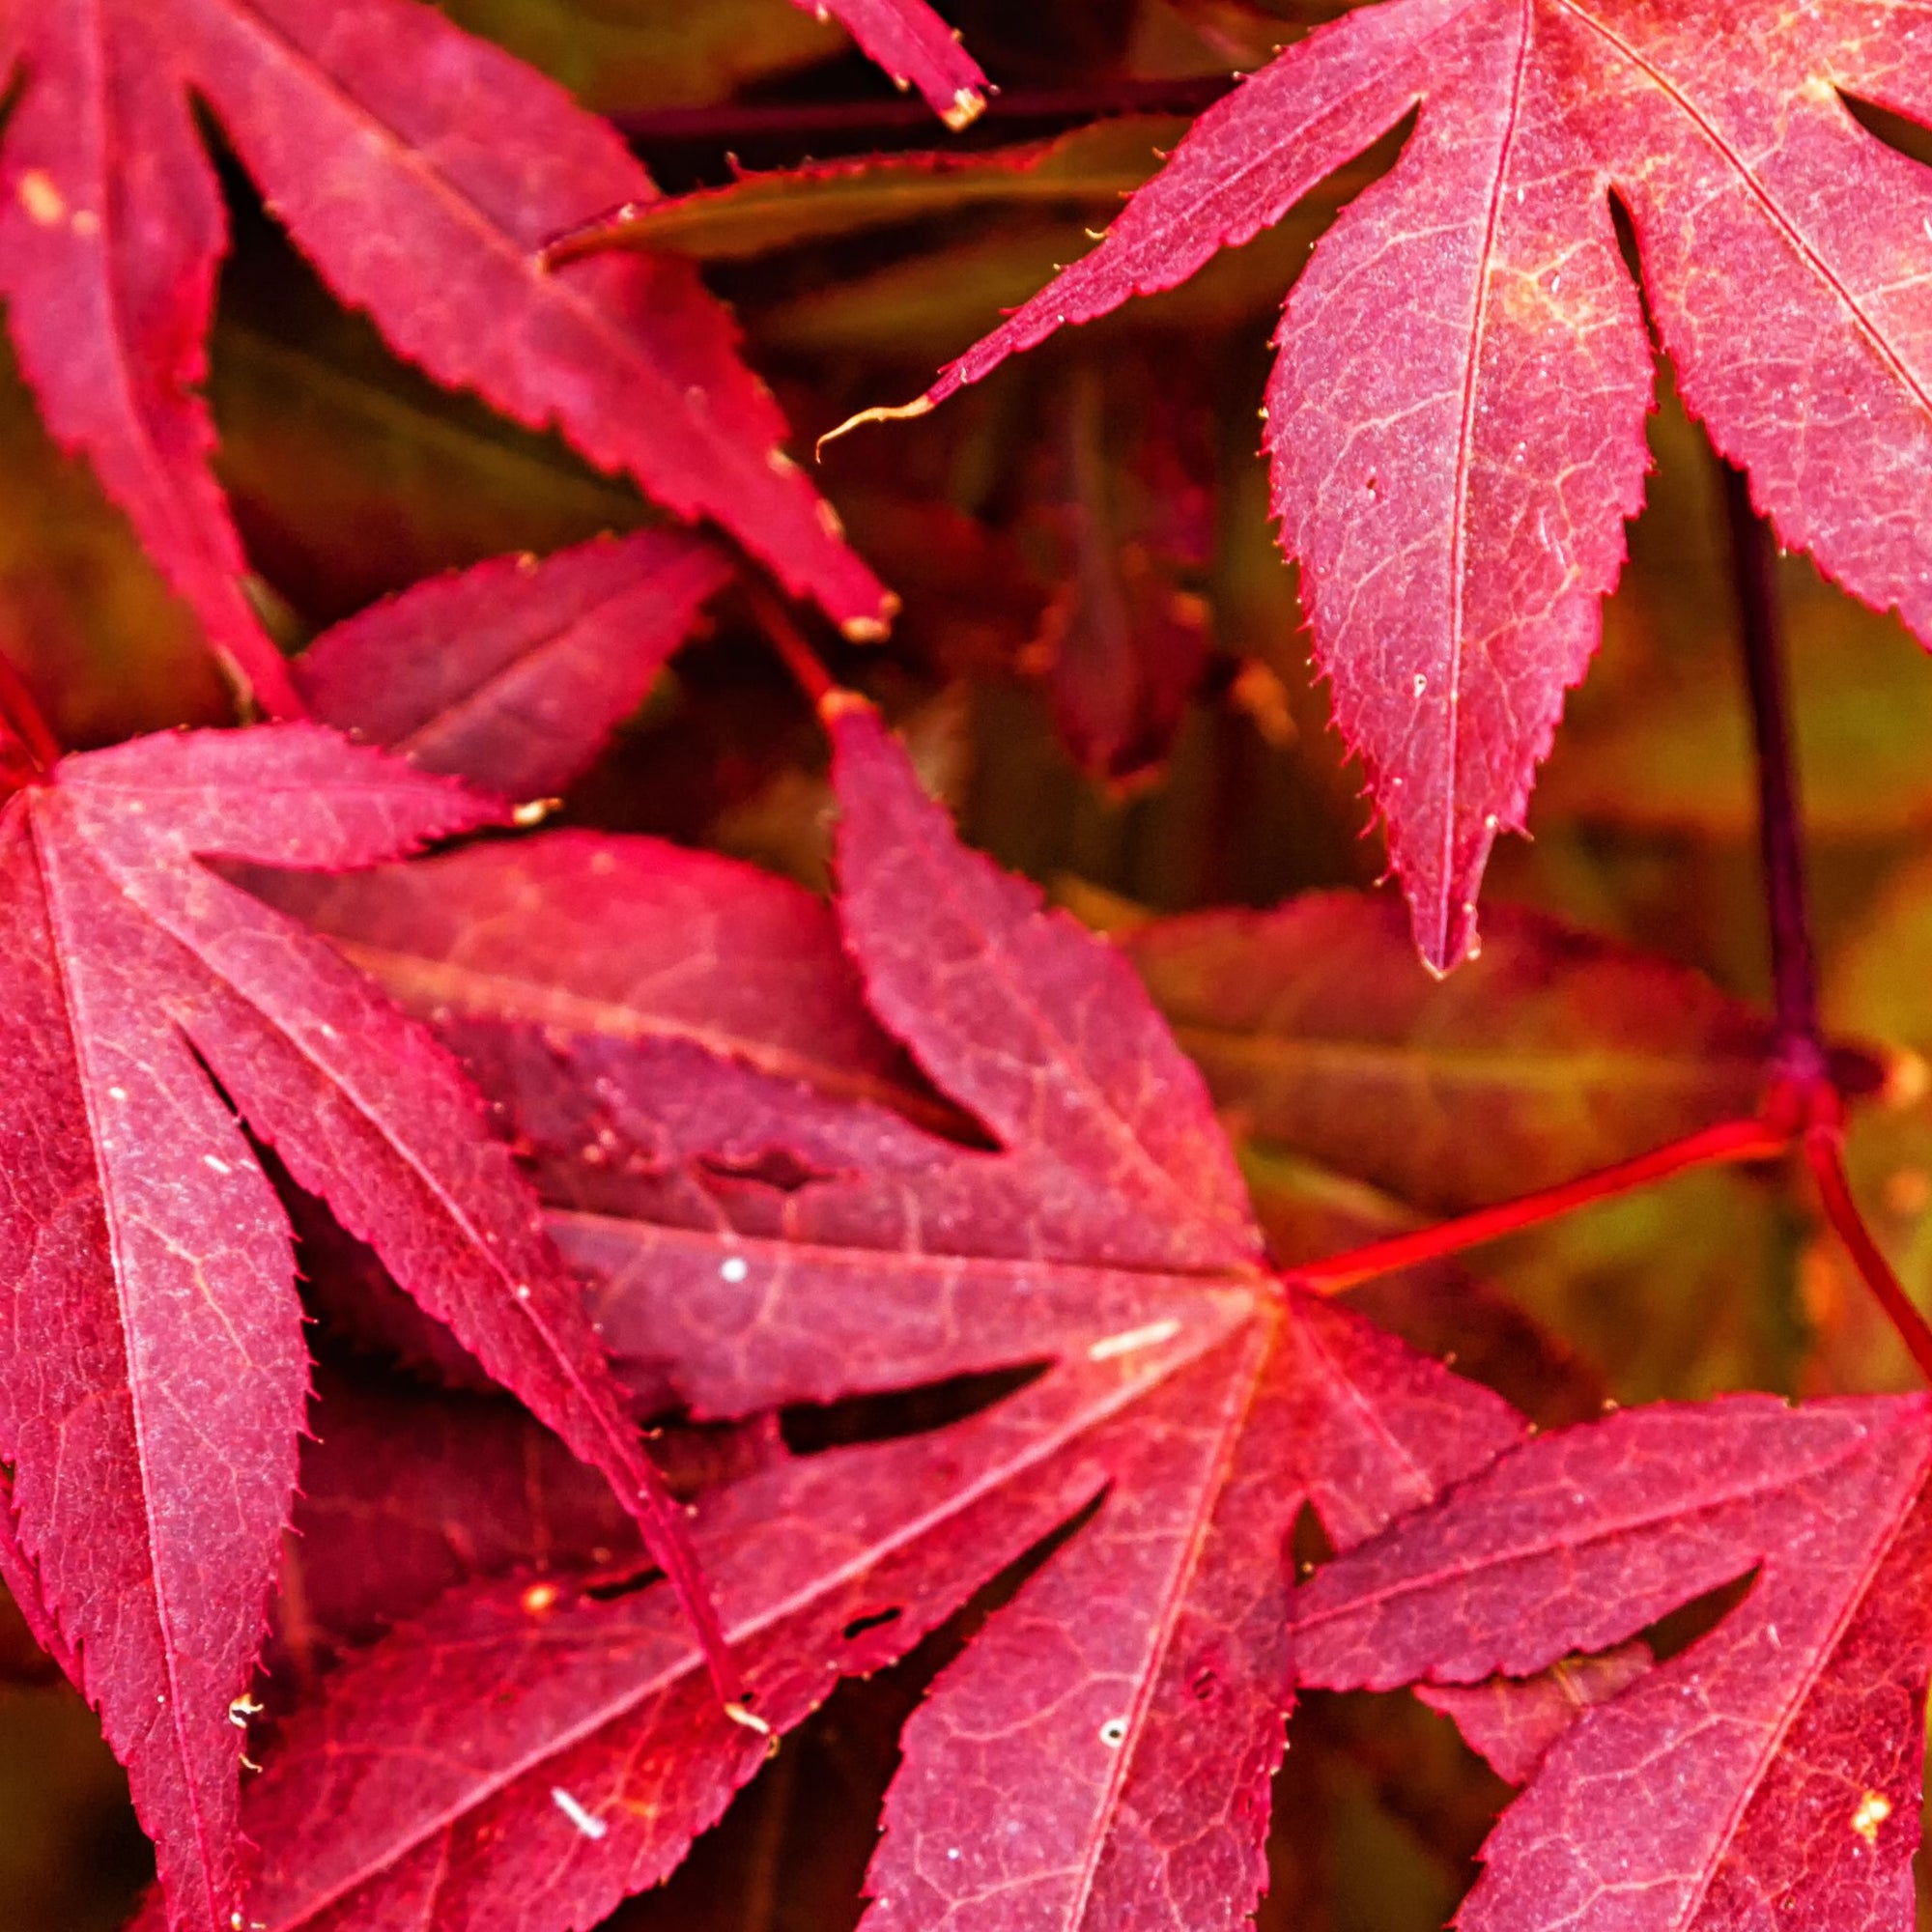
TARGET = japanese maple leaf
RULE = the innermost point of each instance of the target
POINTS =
(917, 49)
(774, 1209)
(591, 1750)
(1555, 1053)
(515, 672)
(1768, 1774)
(591, 1754)
(152, 1370)
(1456, 415)
(421, 170)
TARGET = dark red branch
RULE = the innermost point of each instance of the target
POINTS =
(1794, 969)
(1802, 1090)
(1729, 1142)
(891, 121)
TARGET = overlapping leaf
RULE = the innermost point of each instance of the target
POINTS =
(766, 1227)
(1123, 501)
(591, 1752)
(1768, 1774)
(1555, 1053)
(421, 170)
(1513, 1721)
(763, 1225)
(151, 1373)
(1456, 415)
(590, 1756)
(407, 1492)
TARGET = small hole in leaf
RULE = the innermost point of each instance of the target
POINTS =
(609, 1589)
(871, 1620)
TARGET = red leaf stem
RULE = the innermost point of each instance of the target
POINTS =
(792, 646)
(1824, 1155)
(1728, 1141)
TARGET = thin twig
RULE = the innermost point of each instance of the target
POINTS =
(1804, 1072)
(1726, 1144)
(1794, 969)
(884, 120)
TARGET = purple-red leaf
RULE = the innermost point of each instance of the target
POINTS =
(760, 1233)
(591, 1752)
(421, 170)
(746, 1164)
(1456, 417)
(625, 938)
(1769, 1774)
(917, 49)
(514, 673)
(407, 1492)
(152, 1370)
(1124, 503)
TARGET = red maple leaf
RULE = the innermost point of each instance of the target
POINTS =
(152, 1371)
(592, 1755)
(1513, 1721)
(421, 171)
(1123, 511)
(1555, 1053)
(777, 1209)
(1456, 417)
(1768, 1774)
(592, 1751)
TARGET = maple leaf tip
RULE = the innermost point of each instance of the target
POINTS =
(1450, 942)
(922, 406)
(968, 105)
